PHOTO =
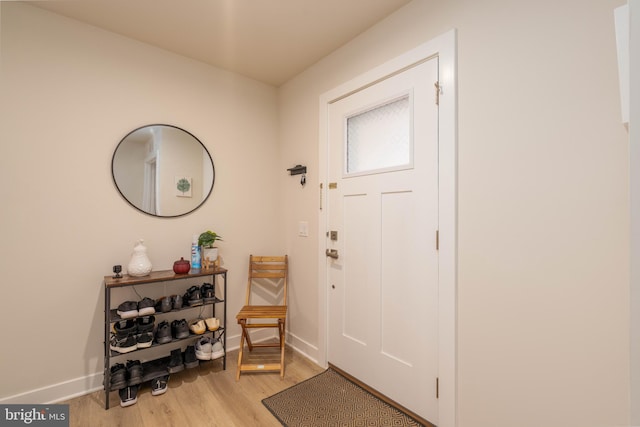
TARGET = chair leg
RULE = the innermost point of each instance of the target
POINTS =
(281, 330)
(245, 332)
(244, 336)
(242, 322)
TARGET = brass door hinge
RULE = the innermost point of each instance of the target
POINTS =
(438, 91)
(437, 240)
(437, 388)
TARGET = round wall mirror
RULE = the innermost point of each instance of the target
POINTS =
(163, 170)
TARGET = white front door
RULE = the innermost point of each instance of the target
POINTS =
(383, 207)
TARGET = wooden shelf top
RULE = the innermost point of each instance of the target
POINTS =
(158, 276)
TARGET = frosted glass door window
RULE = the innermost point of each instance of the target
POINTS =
(379, 138)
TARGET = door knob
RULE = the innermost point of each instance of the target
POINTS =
(332, 253)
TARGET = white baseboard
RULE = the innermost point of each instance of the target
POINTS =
(60, 392)
(303, 347)
(76, 387)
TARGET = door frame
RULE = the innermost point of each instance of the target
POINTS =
(445, 48)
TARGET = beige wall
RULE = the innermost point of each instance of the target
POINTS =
(543, 195)
(543, 290)
(70, 92)
(634, 154)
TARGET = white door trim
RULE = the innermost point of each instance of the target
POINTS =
(443, 46)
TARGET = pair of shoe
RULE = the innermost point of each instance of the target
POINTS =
(130, 334)
(200, 326)
(196, 296)
(134, 326)
(129, 309)
(130, 343)
(208, 349)
(166, 304)
(164, 333)
(178, 360)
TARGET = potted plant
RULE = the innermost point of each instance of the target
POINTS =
(206, 241)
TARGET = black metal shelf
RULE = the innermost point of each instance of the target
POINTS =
(111, 317)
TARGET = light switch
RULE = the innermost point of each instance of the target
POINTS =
(303, 229)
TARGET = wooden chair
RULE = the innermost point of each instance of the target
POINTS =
(264, 272)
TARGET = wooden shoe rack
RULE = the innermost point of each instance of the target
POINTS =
(218, 277)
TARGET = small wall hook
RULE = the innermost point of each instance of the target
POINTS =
(297, 170)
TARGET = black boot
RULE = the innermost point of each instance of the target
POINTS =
(190, 360)
(175, 364)
(134, 372)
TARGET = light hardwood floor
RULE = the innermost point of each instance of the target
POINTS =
(203, 396)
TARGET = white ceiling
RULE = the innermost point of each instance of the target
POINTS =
(268, 40)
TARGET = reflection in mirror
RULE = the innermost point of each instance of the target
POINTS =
(163, 170)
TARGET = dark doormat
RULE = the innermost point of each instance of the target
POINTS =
(329, 399)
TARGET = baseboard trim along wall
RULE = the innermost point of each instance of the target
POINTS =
(56, 393)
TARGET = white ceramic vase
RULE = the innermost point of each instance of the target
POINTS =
(139, 265)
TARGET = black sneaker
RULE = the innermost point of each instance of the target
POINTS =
(190, 359)
(180, 329)
(118, 378)
(145, 324)
(208, 293)
(144, 340)
(159, 385)
(124, 328)
(128, 309)
(146, 306)
(128, 396)
(175, 363)
(123, 344)
(154, 369)
(164, 305)
(134, 372)
(193, 297)
(163, 333)
(178, 302)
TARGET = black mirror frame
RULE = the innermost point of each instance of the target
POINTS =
(213, 171)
